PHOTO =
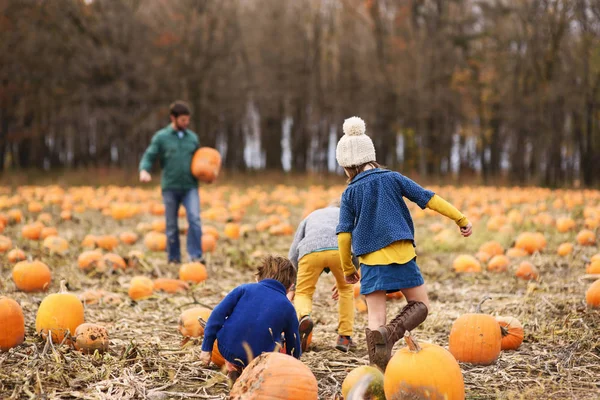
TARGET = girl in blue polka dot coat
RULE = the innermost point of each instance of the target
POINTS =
(376, 224)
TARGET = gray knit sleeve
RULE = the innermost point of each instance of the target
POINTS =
(294, 251)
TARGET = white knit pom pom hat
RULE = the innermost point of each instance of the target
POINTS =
(354, 148)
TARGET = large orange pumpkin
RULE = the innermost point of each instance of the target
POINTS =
(475, 338)
(193, 272)
(34, 276)
(275, 376)
(188, 323)
(423, 371)
(59, 313)
(512, 332)
(12, 324)
(206, 164)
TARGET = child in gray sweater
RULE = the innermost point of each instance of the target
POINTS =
(314, 250)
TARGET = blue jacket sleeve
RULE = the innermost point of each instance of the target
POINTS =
(292, 336)
(412, 191)
(347, 216)
(218, 316)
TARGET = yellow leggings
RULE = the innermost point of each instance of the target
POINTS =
(309, 270)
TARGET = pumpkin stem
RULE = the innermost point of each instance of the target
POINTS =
(63, 286)
(478, 309)
(412, 343)
(504, 331)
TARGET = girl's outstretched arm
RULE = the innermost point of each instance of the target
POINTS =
(441, 206)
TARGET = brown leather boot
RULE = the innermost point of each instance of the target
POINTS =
(377, 348)
(412, 315)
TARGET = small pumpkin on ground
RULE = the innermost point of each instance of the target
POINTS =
(262, 379)
(170, 285)
(140, 287)
(476, 338)
(59, 313)
(155, 241)
(89, 260)
(592, 296)
(16, 255)
(586, 238)
(565, 249)
(512, 332)
(34, 276)
(107, 242)
(5, 244)
(91, 337)
(12, 323)
(498, 263)
(56, 245)
(423, 371)
(466, 263)
(209, 243)
(527, 271)
(193, 272)
(364, 382)
(129, 237)
(188, 323)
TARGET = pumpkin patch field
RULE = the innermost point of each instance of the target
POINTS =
(90, 308)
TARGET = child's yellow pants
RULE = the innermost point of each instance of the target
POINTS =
(309, 269)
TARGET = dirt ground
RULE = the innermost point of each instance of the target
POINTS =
(559, 358)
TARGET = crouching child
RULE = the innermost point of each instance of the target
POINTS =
(249, 320)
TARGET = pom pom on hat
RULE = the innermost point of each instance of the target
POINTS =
(355, 147)
(354, 126)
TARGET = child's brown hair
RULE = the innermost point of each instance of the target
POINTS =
(278, 268)
(353, 171)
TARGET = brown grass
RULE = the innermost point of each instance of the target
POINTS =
(559, 359)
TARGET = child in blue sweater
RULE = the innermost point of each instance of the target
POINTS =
(376, 224)
(254, 315)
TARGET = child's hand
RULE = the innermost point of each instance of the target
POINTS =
(467, 230)
(352, 279)
(291, 294)
(205, 357)
(334, 292)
